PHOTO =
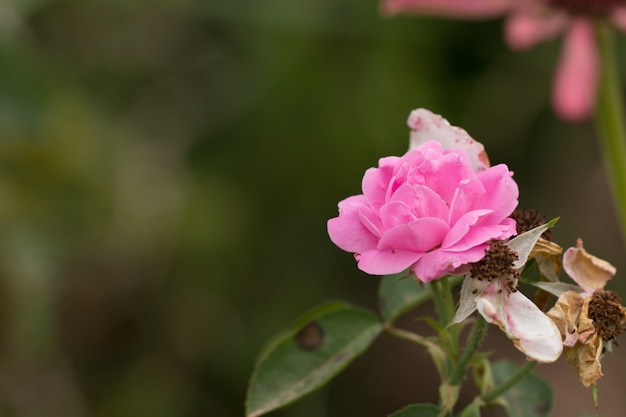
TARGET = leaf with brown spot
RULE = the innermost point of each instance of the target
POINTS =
(316, 348)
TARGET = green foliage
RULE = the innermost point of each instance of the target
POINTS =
(321, 343)
(418, 410)
(398, 293)
(472, 410)
(531, 396)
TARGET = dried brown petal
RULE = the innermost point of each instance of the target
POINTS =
(566, 314)
(585, 359)
(590, 272)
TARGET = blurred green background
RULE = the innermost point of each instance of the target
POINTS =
(167, 168)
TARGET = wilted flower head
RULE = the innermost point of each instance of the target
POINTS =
(588, 320)
(434, 209)
(490, 287)
(531, 21)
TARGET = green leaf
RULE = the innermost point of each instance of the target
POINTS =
(398, 293)
(320, 344)
(418, 410)
(483, 375)
(449, 395)
(472, 410)
(531, 396)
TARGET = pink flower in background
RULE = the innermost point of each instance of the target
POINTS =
(531, 21)
(430, 209)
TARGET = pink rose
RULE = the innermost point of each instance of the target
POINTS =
(429, 210)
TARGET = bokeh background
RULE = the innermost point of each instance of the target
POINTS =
(167, 168)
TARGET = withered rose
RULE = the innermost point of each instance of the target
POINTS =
(590, 320)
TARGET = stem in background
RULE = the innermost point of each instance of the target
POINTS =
(610, 121)
(406, 335)
(508, 384)
(473, 342)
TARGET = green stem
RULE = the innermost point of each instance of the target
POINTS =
(448, 305)
(610, 121)
(508, 384)
(473, 342)
(447, 296)
(440, 305)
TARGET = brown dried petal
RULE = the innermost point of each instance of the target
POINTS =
(583, 346)
(548, 257)
(545, 247)
(585, 359)
(566, 314)
(590, 272)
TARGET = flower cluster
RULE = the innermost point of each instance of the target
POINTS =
(442, 209)
(531, 21)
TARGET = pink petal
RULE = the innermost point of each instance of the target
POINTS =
(347, 231)
(419, 236)
(530, 329)
(384, 262)
(501, 193)
(396, 213)
(421, 201)
(618, 18)
(450, 170)
(478, 235)
(462, 227)
(577, 74)
(426, 126)
(468, 9)
(466, 257)
(466, 195)
(523, 30)
(376, 180)
(440, 262)
(371, 220)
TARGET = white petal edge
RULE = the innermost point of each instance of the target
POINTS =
(523, 244)
(425, 126)
(467, 299)
(531, 330)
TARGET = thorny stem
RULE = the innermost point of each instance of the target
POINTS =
(509, 383)
(610, 121)
(473, 342)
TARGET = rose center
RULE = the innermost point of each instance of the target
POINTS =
(587, 7)
(607, 313)
(497, 264)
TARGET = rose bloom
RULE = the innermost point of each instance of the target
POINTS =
(531, 21)
(435, 209)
